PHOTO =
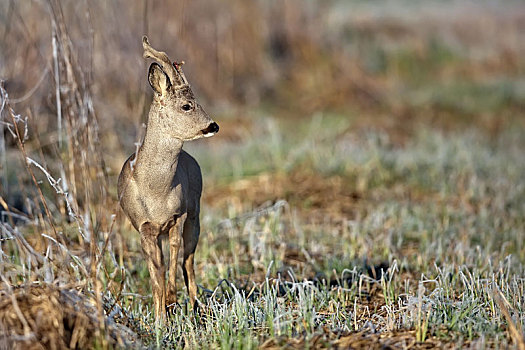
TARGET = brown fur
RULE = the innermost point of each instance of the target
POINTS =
(161, 192)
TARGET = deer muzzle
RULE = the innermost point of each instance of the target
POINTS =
(211, 130)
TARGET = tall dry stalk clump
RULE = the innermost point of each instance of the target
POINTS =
(52, 247)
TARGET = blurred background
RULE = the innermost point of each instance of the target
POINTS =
(391, 65)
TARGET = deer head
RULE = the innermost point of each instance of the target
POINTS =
(176, 113)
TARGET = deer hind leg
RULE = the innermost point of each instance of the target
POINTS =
(191, 238)
(149, 239)
(175, 235)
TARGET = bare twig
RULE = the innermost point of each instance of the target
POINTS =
(20, 142)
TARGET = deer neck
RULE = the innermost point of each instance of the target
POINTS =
(157, 160)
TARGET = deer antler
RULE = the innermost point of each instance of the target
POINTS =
(174, 71)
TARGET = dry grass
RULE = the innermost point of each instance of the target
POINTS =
(44, 316)
(324, 197)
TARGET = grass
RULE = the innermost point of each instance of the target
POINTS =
(429, 252)
(443, 215)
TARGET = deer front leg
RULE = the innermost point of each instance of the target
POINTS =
(151, 247)
(175, 235)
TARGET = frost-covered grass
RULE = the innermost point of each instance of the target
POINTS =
(441, 219)
(429, 246)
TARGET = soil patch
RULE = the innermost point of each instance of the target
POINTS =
(324, 197)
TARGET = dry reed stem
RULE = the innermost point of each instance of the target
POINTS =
(514, 329)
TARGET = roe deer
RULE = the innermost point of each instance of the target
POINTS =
(160, 187)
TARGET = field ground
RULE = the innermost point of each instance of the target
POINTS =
(327, 237)
(383, 210)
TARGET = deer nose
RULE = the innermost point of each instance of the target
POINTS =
(212, 129)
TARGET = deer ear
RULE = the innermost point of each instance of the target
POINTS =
(158, 80)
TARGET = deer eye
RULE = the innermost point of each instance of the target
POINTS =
(186, 107)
